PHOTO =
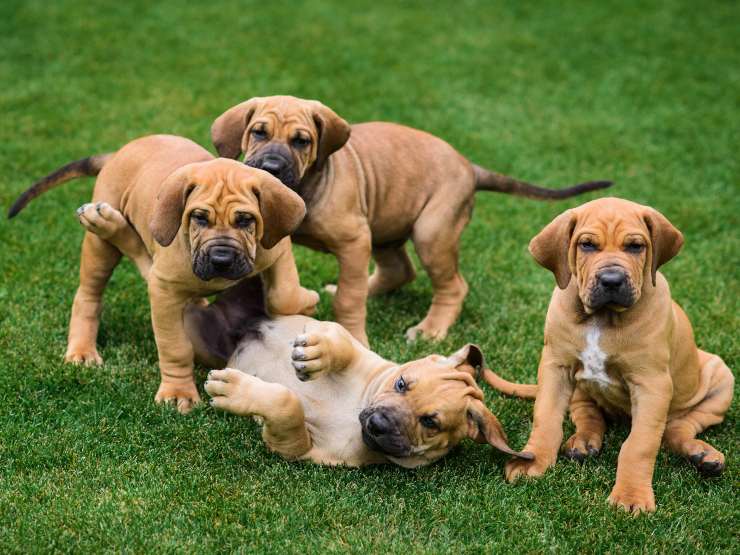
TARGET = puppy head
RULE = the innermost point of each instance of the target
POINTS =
(222, 209)
(426, 407)
(612, 247)
(283, 135)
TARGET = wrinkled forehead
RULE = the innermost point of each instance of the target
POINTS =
(222, 182)
(285, 112)
(612, 222)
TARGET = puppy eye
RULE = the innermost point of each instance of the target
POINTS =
(200, 218)
(429, 422)
(243, 220)
(634, 248)
(587, 246)
(400, 385)
(300, 141)
(259, 133)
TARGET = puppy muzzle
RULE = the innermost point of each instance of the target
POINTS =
(221, 260)
(611, 287)
(381, 432)
(278, 161)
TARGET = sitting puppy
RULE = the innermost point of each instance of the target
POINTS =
(198, 225)
(615, 342)
(381, 186)
(322, 396)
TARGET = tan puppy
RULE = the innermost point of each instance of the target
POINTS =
(324, 397)
(367, 195)
(615, 342)
(198, 225)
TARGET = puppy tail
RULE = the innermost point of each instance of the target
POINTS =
(523, 390)
(486, 180)
(86, 167)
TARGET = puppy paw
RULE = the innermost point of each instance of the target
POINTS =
(707, 460)
(523, 468)
(427, 331)
(330, 288)
(81, 354)
(183, 395)
(101, 219)
(311, 355)
(229, 390)
(633, 499)
(310, 301)
(582, 445)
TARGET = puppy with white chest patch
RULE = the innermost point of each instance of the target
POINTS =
(194, 225)
(616, 343)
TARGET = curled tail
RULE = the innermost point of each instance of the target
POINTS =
(86, 167)
(486, 180)
(523, 390)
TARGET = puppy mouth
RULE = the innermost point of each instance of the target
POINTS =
(611, 289)
(278, 163)
(221, 260)
(380, 432)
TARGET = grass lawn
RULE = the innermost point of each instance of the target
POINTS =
(645, 93)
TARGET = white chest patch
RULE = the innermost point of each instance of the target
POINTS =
(593, 359)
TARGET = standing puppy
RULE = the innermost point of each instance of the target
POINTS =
(368, 194)
(203, 225)
(615, 342)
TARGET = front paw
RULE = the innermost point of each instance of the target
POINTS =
(582, 445)
(311, 355)
(523, 468)
(184, 395)
(229, 390)
(634, 499)
(83, 354)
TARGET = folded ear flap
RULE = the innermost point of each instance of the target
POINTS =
(282, 210)
(469, 359)
(484, 427)
(333, 132)
(170, 204)
(665, 240)
(227, 131)
(551, 247)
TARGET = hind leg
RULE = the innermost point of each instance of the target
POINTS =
(108, 223)
(393, 269)
(680, 433)
(98, 260)
(436, 237)
(590, 427)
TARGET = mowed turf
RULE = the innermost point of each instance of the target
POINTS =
(643, 93)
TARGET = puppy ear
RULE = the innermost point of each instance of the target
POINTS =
(551, 247)
(469, 359)
(281, 208)
(170, 204)
(484, 427)
(227, 131)
(665, 240)
(333, 132)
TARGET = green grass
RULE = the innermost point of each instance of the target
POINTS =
(645, 93)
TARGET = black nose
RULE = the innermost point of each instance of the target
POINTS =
(612, 279)
(378, 424)
(272, 164)
(222, 257)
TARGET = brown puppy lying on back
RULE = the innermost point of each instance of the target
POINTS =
(616, 342)
(368, 194)
(203, 225)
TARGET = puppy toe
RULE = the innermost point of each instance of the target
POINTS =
(331, 289)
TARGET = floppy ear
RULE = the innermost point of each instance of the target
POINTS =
(551, 246)
(484, 427)
(469, 359)
(170, 204)
(227, 131)
(333, 132)
(665, 240)
(282, 210)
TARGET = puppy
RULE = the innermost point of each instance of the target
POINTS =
(198, 225)
(367, 194)
(616, 343)
(322, 396)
